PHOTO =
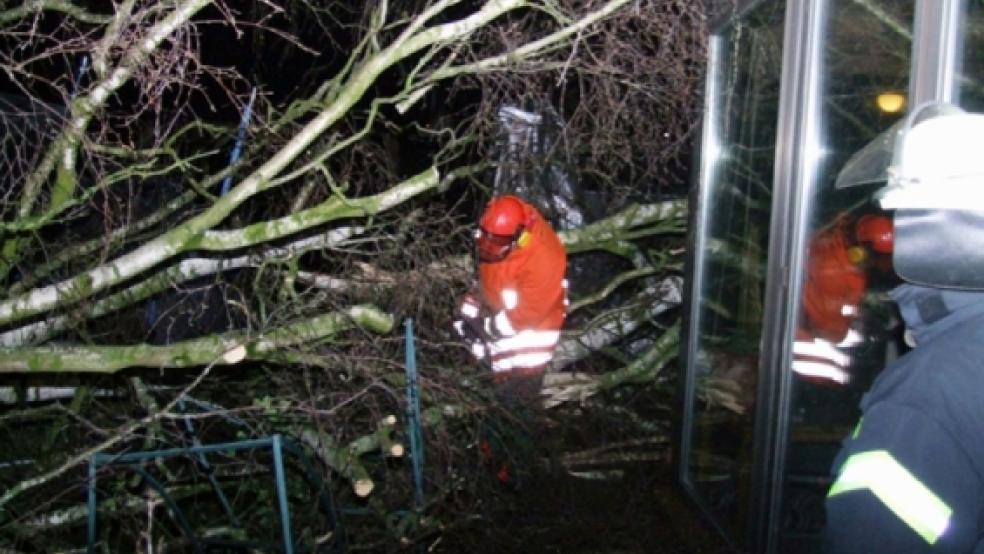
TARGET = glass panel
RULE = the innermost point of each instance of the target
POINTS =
(727, 312)
(847, 326)
(972, 77)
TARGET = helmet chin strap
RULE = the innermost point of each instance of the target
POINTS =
(524, 238)
(523, 235)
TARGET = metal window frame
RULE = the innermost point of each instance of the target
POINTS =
(937, 48)
(798, 152)
(797, 130)
(698, 201)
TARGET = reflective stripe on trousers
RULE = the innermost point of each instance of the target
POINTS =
(525, 349)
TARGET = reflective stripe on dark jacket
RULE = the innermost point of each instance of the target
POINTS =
(911, 476)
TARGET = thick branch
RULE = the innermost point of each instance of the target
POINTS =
(64, 147)
(229, 348)
(533, 48)
(601, 235)
(566, 387)
(186, 270)
(332, 209)
(114, 239)
(346, 459)
(665, 296)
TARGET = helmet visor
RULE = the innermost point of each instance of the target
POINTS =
(870, 165)
(493, 247)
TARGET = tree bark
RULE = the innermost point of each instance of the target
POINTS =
(196, 352)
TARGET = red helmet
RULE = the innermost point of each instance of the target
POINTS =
(876, 230)
(500, 226)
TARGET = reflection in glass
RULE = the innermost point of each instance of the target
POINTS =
(847, 326)
(971, 77)
(726, 320)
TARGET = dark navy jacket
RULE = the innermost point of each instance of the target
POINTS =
(911, 476)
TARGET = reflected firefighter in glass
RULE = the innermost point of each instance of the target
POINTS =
(840, 256)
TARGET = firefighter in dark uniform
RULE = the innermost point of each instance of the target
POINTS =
(910, 478)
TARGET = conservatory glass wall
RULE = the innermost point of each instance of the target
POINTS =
(731, 233)
(789, 320)
(970, 76)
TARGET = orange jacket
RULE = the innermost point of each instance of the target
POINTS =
(834, 285)
(529, 283)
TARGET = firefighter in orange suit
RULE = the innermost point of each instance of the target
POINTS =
(836, 281)
(836, 278)
(513, 318)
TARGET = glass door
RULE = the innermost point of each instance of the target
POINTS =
(730, 229)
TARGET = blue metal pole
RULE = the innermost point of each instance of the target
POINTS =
(278, 471)
(413, 417)
(240, 138)
(77, 83)
(171, 452)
